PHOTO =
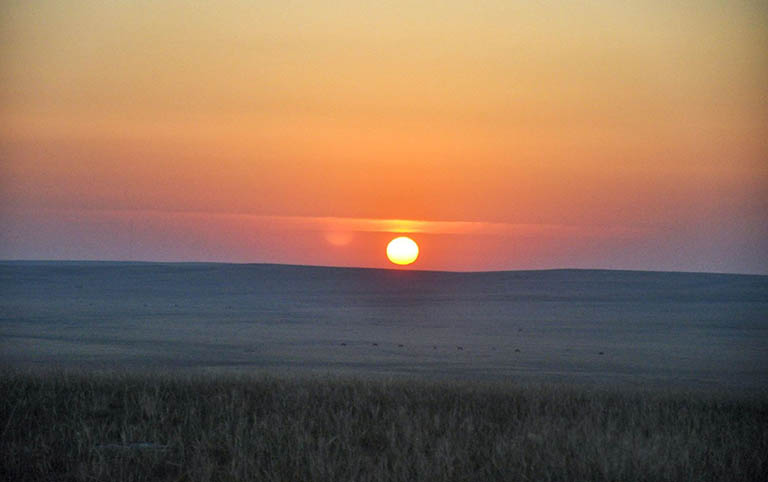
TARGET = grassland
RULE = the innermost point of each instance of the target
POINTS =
(115, 427)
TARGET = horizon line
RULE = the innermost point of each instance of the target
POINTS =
(108, 261)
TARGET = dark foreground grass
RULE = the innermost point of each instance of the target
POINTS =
(146, 427)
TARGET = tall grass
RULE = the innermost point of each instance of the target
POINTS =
(128, 427)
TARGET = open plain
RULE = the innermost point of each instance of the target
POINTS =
(575, 326)
(145, 371)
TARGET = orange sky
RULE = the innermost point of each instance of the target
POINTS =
(627, 135)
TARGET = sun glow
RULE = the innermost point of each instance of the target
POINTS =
(402, 250)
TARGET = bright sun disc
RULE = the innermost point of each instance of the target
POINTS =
(402, 250)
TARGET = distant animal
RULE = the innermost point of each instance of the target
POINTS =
(517, 350)
(601, 353)
(459, 347)
(375, 344)
(343, 344)
(399, 345)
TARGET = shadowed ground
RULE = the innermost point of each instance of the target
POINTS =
(617, 327)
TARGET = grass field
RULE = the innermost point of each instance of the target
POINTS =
(114, 427)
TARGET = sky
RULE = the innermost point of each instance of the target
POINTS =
(499, 135)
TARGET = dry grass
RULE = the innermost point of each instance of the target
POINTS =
(69, 426)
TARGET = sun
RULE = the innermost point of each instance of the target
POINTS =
(402, 250)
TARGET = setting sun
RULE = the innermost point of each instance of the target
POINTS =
(402, 250)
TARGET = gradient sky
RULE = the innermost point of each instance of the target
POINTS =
(499, 134)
